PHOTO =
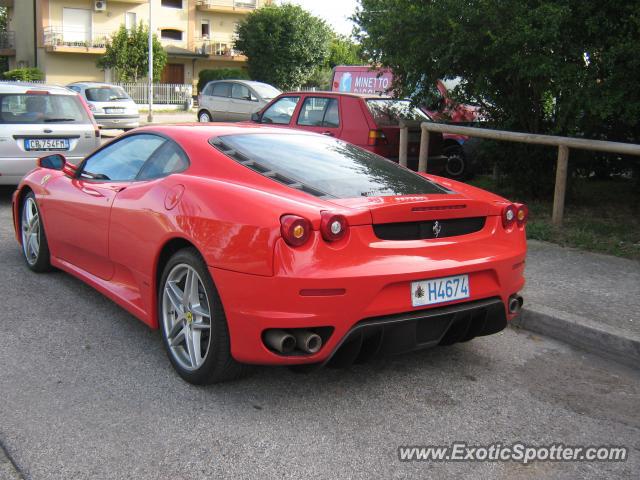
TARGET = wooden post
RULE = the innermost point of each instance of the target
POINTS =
(404, 144)
(561, 185)
(423, 156)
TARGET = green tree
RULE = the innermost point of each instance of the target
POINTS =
(284, 44)
(128, 54)
(567, 67)
(344, 51)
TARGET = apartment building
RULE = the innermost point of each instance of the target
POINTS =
(64, 38)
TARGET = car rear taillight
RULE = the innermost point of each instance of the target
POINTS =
(87, 108)
(295, 230)
(522, 214)
(508, 216)
(333, 227)
(377, 137)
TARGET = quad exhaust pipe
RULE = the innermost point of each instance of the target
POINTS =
(283, 341)
(515, 304)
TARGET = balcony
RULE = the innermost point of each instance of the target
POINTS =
(74, 40)
(218, 49)
(7, 44)
(235, 6)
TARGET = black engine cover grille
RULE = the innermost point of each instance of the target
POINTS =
(423, 230)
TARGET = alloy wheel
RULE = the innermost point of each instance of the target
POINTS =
(186, 314)
(30, 231)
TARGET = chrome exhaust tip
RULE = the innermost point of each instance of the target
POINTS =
(515, 303)
(307, 341)
(280, 340)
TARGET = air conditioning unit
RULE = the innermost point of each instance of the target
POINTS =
(100, 5)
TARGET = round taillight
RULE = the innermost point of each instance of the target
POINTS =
(522, 215)
(508, 216)
(295, 230)
(333, 227)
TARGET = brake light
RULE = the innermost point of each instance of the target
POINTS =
(36, 92)
(88, 109)
(376, 137)
(508, 216)
(333, 227)
(522, 214)
(295, 230)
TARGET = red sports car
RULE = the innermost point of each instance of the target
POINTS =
(257, 245)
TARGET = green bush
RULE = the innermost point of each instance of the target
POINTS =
(206, 76)
(24, 74)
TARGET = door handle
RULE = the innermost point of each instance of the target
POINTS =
(92, 192)
(328, 134)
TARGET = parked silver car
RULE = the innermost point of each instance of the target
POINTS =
(233, 100)
(35, 119)
(112, 107)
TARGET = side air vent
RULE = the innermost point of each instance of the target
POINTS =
(429, 229)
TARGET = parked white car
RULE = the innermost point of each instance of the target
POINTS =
(233, 100)
(111, 106)
(35, 119)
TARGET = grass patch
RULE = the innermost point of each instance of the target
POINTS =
(600, 215)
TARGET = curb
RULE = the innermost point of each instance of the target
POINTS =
(579, 332)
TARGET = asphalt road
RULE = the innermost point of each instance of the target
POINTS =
(86, 391)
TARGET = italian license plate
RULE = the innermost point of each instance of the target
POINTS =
(114, 110)
(439, 290)
(36, 144)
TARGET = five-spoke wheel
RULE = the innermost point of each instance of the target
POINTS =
(34, 240)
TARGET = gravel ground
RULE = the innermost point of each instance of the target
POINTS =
(86, 391)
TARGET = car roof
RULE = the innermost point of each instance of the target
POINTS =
(343, 94)
(24, 87)
(240, 80)
(93, 84)
(200, 131)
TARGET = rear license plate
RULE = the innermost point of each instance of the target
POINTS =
(439, 290)
(114, 110)
(42, 144)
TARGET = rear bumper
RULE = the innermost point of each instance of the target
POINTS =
(118, 121)
(13, 169)
(359, 289)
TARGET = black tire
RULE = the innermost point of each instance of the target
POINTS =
(204, 117)
(218, 365)
(42, 261)
(457, 166)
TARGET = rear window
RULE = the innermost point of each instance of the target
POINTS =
(266, 91)
(388, 112)
(39, 108)
(323, 166)
(106, 94)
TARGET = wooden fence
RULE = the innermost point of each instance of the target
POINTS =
(562, 143)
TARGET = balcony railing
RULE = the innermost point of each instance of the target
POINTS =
(7, 40)
(75, 38)
(228, 4)
(219, 47)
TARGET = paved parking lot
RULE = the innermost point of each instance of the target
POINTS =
(86, 391)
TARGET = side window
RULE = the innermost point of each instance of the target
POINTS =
(319, 112)
(75, 88)
(221, 90)
(122, 160)
(281, 111)
(165, 161)
(332, 115)
(208, 90)
(240, 92)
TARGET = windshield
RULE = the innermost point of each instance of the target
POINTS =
(388, 112)
(265, 90)
(106, 94)
(323, 166)
(42, 108)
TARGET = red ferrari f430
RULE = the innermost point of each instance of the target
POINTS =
(255, 245)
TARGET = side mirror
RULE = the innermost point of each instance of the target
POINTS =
(55, 161)
(255, 117)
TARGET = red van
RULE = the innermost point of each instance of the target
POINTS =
(367, 120)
